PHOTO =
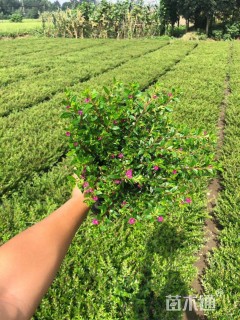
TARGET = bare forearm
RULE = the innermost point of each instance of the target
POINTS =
(30, 260)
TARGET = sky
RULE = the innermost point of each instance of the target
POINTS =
(61, 1)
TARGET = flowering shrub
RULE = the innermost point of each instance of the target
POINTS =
(130, 157)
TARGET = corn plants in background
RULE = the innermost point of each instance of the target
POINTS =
(104, 20)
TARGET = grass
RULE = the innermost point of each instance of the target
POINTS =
(127, 272)
(14, 29)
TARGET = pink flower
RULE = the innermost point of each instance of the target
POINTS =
(112, 156)
(115, 122)
(95, 198)
(75, 144)
(68, 134)
(156, 168)
(89, 190)
(154, 96)
(180, 149)
(80, 112)
(174, 172)
(132, 220)
(68, 107)
(86, 184)
(205, 133)
(130, 97)
(129, 173)
(99, 138)
(170, 94)
(188, 200)
(120, 155)
(160, 219)
(95, 221)
(123, 203)
(117, 181)
(87, 100)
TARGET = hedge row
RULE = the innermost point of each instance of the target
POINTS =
(222, 277)
(41, 130)
(26, 64)
(36, 50)
(23, 66)
(70, 70)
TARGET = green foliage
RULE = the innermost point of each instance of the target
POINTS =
(233, 30)
(15, 29)
(228, 32)
(16, 17)
(7, 7)
(178, 32)
(200, 13)
(217, 34)
(202, 36)
(51, 78)
(129, 154)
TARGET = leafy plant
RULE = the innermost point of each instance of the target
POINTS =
(217, 34)
(16, 17)
(233, 30)
(128, 153)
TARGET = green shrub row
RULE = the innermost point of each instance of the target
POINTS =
(68, 71)
(222, 277)
(201, 84)
(41, 130)
(16, 53)
(27, 64)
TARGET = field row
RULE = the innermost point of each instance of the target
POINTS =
(68, 71)
(37, 49)
(222, 277)
(32, 64)
(41, 130)
(131, 272)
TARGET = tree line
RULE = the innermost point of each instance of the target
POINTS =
(28, 8)
(33, 8)
(202, 13)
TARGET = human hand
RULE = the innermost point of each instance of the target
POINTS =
(76, 192)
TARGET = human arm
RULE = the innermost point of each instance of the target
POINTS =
(30, 260)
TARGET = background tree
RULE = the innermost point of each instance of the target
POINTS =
(7, 7)
(56, 6)
(66, 5)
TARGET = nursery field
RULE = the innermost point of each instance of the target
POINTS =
(125, 272)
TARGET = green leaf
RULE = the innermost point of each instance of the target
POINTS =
(115, 128)
(106, 90)
(66, 115)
